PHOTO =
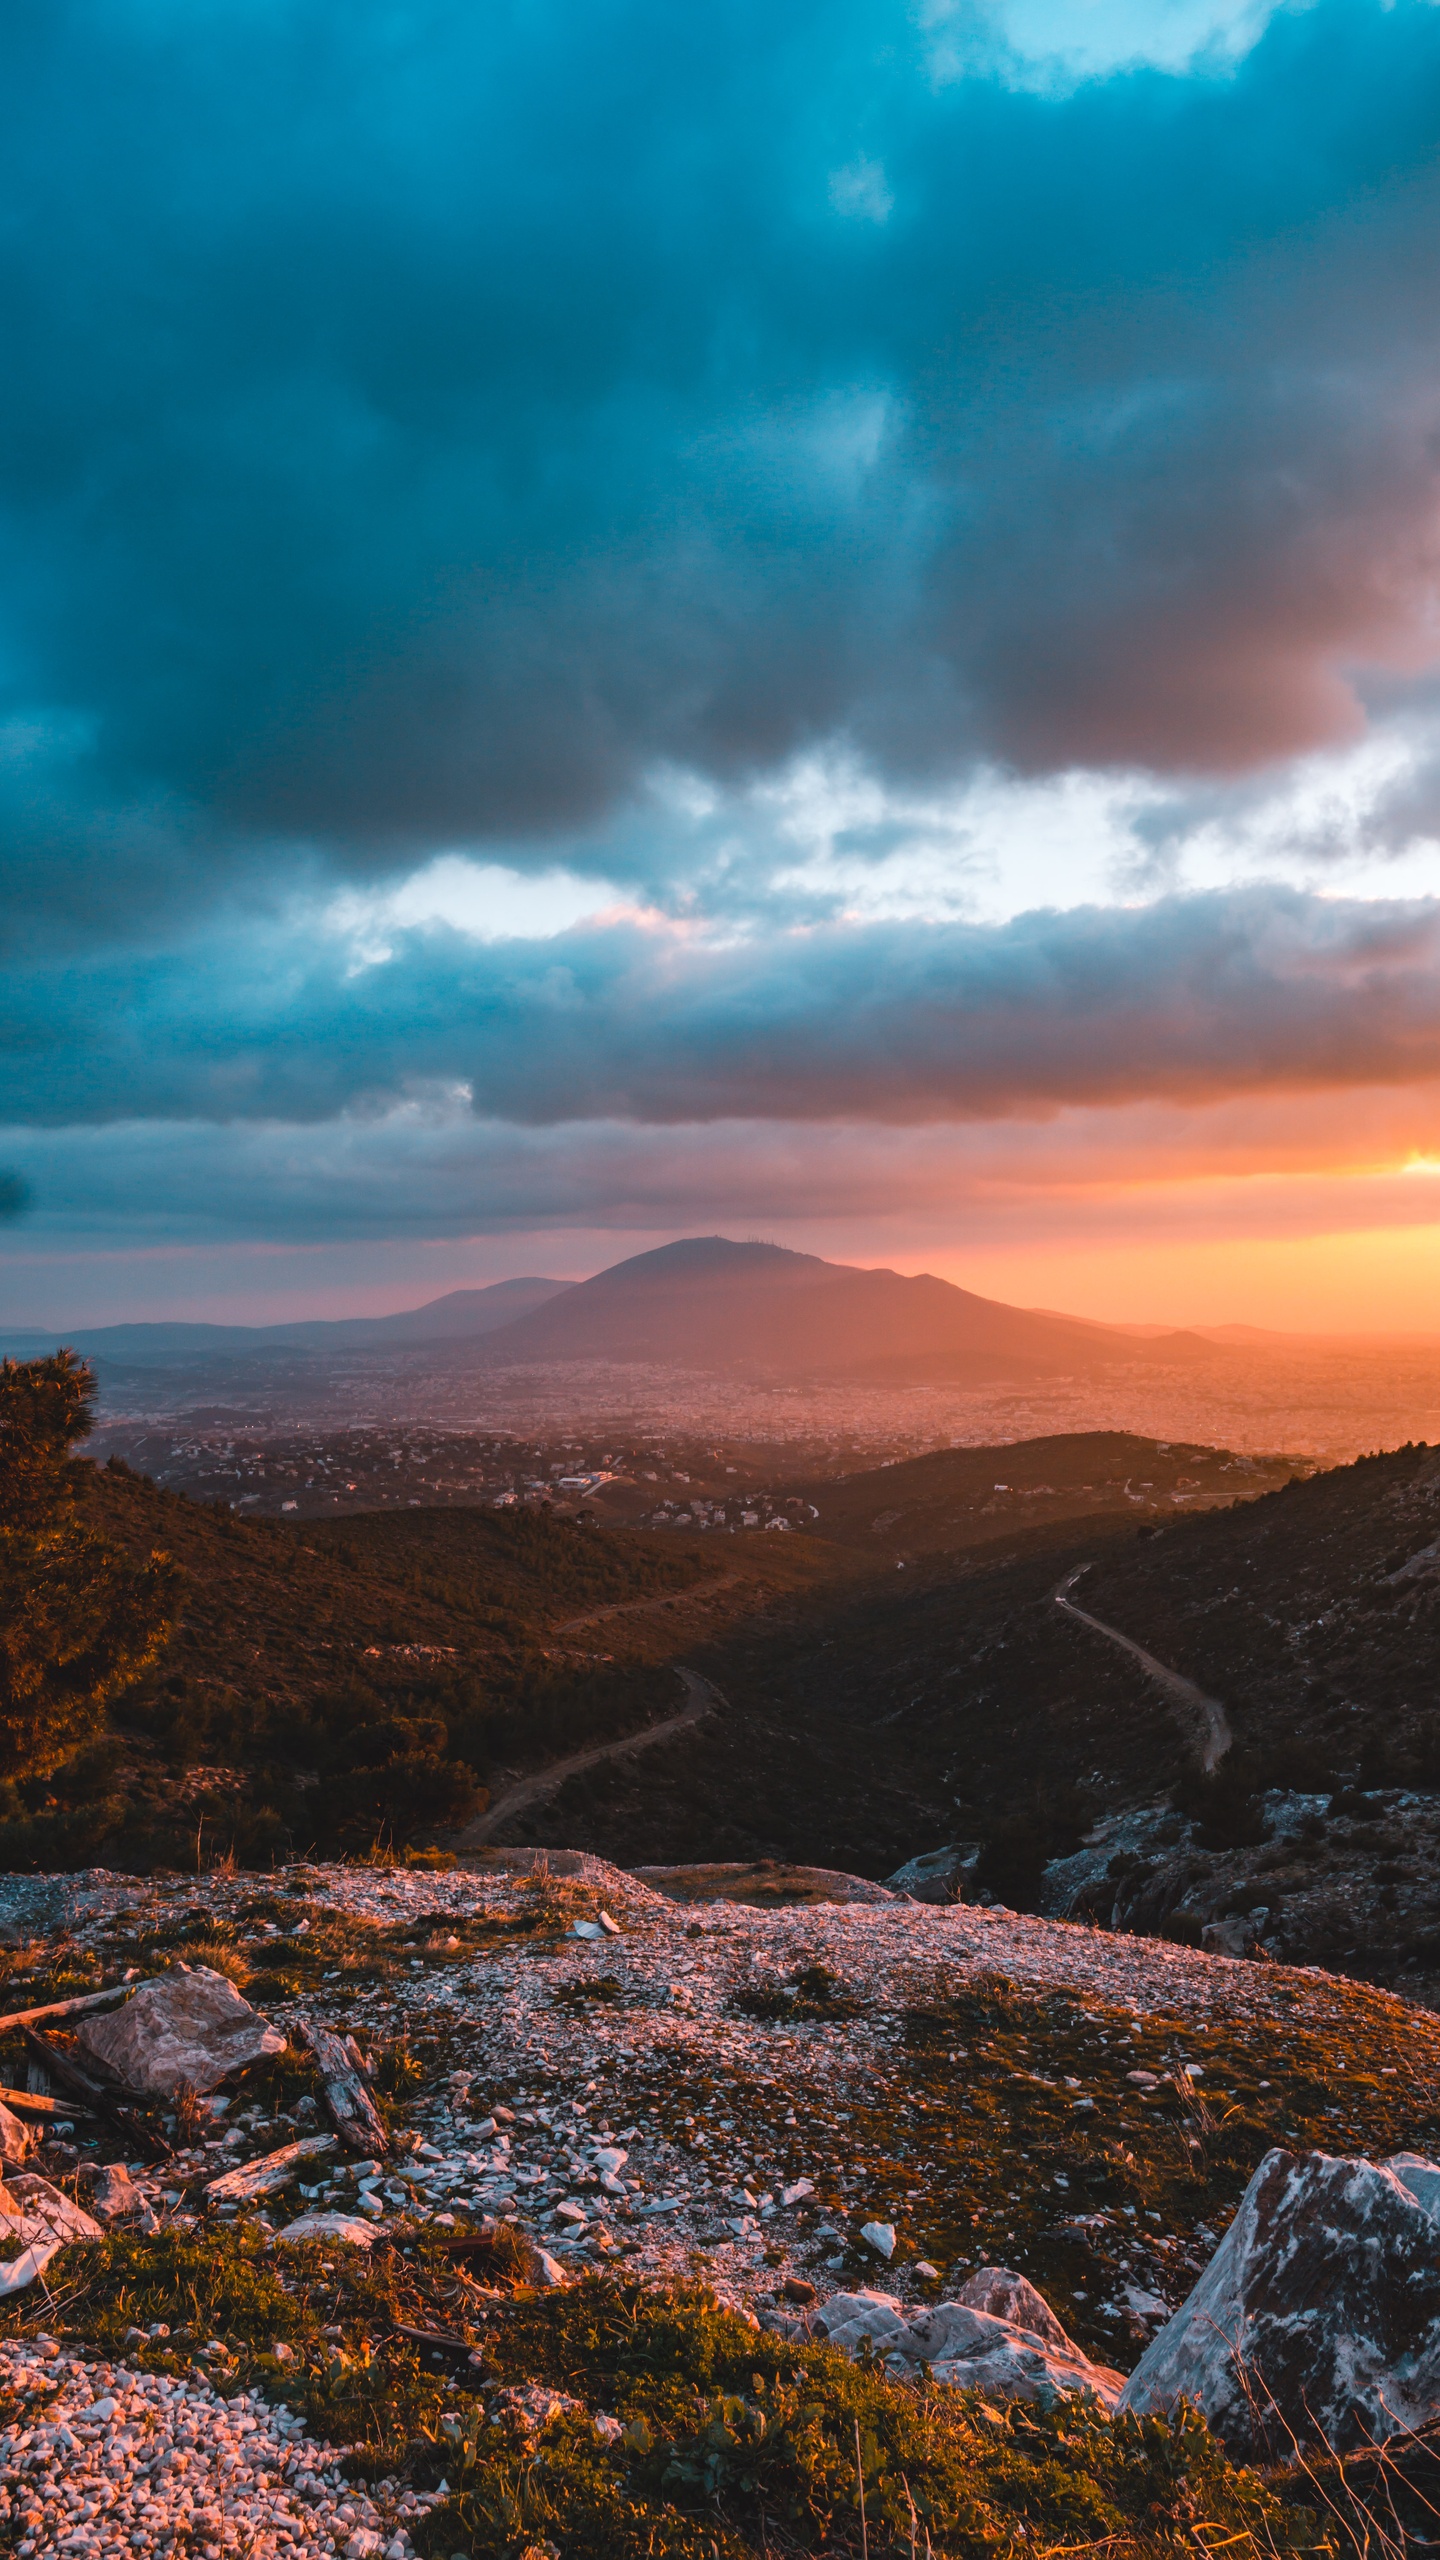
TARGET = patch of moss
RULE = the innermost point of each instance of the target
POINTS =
(811, 1991)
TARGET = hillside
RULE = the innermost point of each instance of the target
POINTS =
(957, 1703)
(706, 1303)
(382, 1674)
(896, 1679)
(960, 1498)
(1315, 1612)
(365, 1677)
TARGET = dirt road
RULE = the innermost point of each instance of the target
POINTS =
(703, 1699)
(1216, 1736)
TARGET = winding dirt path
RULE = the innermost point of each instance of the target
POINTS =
(1213, 1721)
(703, 1700)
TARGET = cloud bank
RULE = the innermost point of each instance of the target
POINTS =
(532, 437)
(1187, 998)
(419, 423)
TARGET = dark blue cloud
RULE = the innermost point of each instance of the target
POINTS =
(1188, 998)
(417, 422)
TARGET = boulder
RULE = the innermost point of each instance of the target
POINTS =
(1016, 2350)
(1317, 2321)
(848, 2318)
(1008, 2296)
(1239, 1934)
(982, 2353)
(939, 1875)
(189, 2027)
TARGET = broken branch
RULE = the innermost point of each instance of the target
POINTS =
(350, 2107)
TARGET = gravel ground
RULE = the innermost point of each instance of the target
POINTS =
(103, 2459)
(585, 2041)
(614, 2094)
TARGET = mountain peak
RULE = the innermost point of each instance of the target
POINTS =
(712, 1258)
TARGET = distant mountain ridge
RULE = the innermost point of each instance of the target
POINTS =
(703, 1303)
(460, 1316)
(708, 1303)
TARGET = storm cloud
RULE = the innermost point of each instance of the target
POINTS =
(419, 423)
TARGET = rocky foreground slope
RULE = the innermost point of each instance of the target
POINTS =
(588, 2087)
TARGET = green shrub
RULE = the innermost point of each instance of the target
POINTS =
(736, 2443)
(79, 1623)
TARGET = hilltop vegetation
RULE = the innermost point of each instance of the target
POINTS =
(1315, 1612)
(358, 1680)
(79, 1621)
(894, 1679)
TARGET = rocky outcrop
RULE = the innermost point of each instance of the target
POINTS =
(940, 1875)
(1317, 2321)
(997, 2335)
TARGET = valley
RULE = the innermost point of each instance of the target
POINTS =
(959, 1649)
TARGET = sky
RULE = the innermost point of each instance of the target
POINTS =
(620, 621)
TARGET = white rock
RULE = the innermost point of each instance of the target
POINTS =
(38, 2222)
(610, 1928)
(1011, 2297)
(938, 1875)
(1146, 2306)
(115, 2194)
(1318, 2317)
(328, 2226)
(1422, 2177)
(191, 2027)
(881, 2237)
(1009, 2364)
(795, 2194)
(848, 2317)
(1016, 2350)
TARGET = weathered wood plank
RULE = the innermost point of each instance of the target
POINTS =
(29, 2102)
(263, 2177)
(67, 2008)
